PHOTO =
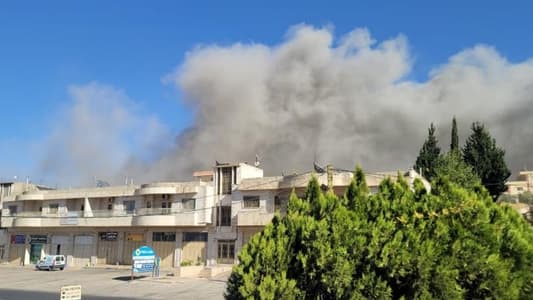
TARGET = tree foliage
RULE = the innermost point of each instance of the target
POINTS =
(452, 167)
(400, 243)
(428, 156)
(487, 160)
(454, 145)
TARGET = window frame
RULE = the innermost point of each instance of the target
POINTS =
(225, 251)
(194, 236)
(53, 208)
(125, 206)
(251, 201)
(13, 209)
(226, 180)
(223, 215)
(163, 236)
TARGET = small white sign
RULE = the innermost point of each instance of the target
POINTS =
(71, 292)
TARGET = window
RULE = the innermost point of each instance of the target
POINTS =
(135, 237)
(12, 210)
(519, 188)
(226, 180)
(82, 207)
(149, 204)
(108, 236)
(224, 216)
(250, 201)
(165, 207)
(195, 236)
(164, 237)
(6, 189)
(188, 204)
(226, 252)
(53, 208)
(277, 203)
(129, 206)
(110, 203)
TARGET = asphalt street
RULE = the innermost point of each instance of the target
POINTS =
(25, 283)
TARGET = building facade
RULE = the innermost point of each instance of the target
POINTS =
(523, 183)
(203, 222)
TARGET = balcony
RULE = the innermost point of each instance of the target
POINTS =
(166, 217)
(255, 217)
(108, 218)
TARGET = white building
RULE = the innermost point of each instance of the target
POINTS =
(203, 222)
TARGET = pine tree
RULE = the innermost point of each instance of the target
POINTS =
(454, 145)
(357, 190)
(428, 156)
(396, 244)
(487, 160)
(452, 167)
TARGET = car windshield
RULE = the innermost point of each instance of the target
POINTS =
(48, 259)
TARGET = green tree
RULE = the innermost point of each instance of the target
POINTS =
(452, 167)
(428, 156)
(454, 145)
(400, 243)
(487, 160)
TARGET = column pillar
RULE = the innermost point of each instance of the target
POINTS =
(87, 212)
(120, 250)
(211, 249)
(178, 249)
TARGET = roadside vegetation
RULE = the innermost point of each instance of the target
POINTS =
(403, 242)
(451, 243)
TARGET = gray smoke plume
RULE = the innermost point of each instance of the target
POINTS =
(345, 101)
(97, 135)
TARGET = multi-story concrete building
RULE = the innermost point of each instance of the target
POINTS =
(8, 192)
(523, 183)
(202, 222)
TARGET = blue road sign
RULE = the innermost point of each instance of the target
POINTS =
(143, 259)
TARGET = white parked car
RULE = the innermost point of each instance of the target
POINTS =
(52, 262)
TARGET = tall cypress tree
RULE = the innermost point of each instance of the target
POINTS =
(487, 160)
(454, 146)
(429, 154)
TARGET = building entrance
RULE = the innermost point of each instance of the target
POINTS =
(35, 253)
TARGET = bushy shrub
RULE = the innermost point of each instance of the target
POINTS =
(400, 243)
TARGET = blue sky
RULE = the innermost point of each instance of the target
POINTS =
(46, 46)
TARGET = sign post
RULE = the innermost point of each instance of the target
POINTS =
(70, 292)
(143, 260)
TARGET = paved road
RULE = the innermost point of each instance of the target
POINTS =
(98, 284)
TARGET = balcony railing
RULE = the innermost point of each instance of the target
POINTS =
(101, 213)
(109, 218)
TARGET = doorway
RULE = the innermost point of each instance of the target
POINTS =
(35, 253)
